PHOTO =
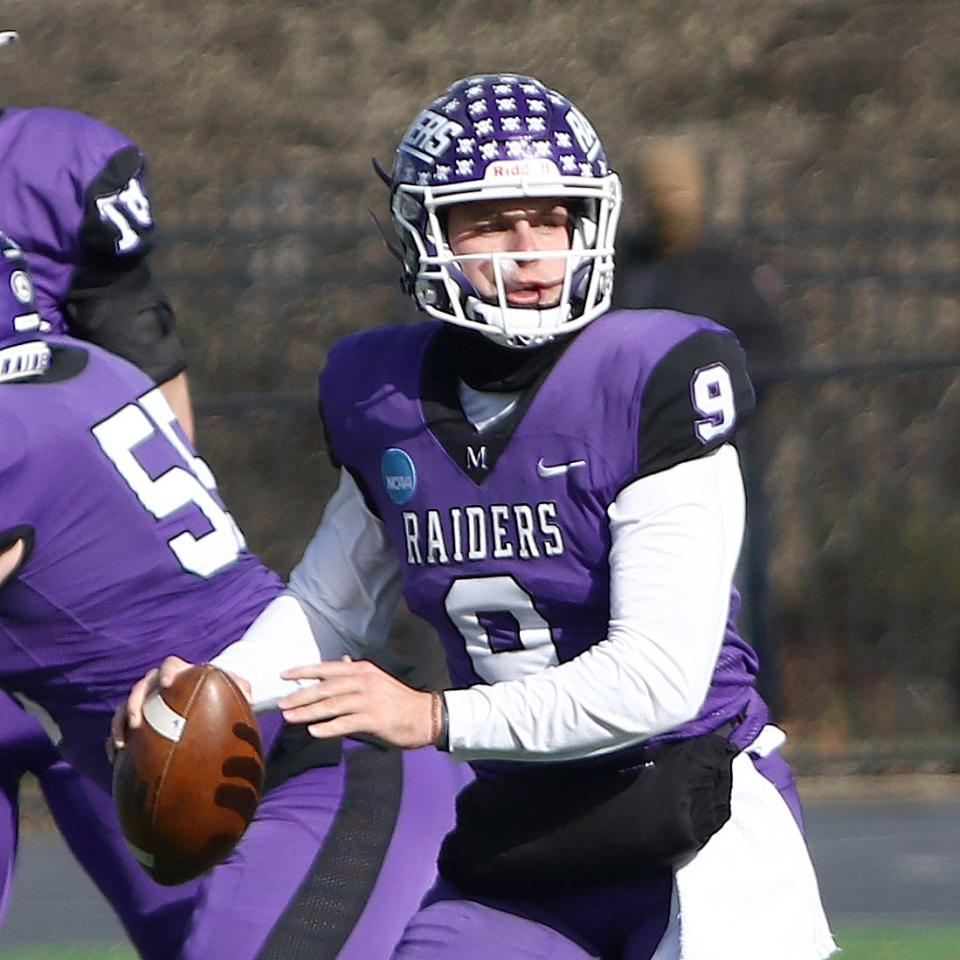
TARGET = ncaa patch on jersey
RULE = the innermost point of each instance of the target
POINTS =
(399, 475)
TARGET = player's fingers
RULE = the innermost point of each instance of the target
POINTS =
(312, 694)
(308, 671)
(347, 702)
(138, 693)
(245, 687)
(324, 690)
(118, 729)
(342, 726)
(344, 667)
(169, 669)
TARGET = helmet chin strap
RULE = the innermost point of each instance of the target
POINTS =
(530, 327)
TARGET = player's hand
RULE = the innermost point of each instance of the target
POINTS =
(129, 716)
(356, 696)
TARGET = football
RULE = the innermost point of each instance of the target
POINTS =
(188, 780)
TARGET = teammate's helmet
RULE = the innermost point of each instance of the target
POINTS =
(19, 319)
(497, 137)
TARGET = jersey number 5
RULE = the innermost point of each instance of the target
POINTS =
(178, 487)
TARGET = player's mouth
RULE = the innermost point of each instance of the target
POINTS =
(534, 295)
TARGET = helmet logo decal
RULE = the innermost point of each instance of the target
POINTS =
(399, 475)
(522, 168)
(430, 136)
(584, 132)
(21, 286)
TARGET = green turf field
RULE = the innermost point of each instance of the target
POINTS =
(858, 943)
(899, 943)
(86, 952)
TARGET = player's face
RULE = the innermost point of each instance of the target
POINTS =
(502, 226)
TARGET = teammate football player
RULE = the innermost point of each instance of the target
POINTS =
(554, 487)
(74, 197)
(73, 194)
(115, 549)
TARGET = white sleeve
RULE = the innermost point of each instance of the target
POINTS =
(340, 599)
(676, 536)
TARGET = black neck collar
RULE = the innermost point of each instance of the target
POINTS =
(485, 365)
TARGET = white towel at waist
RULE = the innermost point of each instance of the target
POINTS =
(751, 893)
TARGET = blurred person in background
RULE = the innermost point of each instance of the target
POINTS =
(673, 261)
(554, 487)
(115, 549)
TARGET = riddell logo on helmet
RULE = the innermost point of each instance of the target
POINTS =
(539, 168)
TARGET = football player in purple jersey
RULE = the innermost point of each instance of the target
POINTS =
(132, 557)
(554, 487)
(73, 194)
(74, 197)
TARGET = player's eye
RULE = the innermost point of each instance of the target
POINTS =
(558, 217)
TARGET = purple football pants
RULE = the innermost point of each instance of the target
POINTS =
(610, 922)
(335, 862)
(154, 917)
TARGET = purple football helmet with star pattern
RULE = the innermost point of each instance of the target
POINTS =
(497, 137)
(22, 352)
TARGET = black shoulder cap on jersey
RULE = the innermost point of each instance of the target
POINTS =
(336, 462)
(11, 535)
(331, 456)
(365, 492)
(123, 309)
(693, 402)
(117, 222)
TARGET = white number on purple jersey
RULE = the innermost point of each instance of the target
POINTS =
(178, 487)
(712, 392)
(128, 210)
(505, 636)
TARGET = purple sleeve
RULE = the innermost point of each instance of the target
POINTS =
(13, 452)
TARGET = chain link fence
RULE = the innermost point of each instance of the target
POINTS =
(851, 570)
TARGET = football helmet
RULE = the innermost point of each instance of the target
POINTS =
(496, 137)
(22, 353)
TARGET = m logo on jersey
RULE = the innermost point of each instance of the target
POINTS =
(477, 459)
(399, 475)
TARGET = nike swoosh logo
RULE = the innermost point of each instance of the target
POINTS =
(558, 470)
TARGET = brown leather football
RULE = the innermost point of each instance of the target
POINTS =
(188, 780)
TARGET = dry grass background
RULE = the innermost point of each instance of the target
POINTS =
(260, 120)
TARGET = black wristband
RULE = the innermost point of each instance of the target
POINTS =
(443, 739)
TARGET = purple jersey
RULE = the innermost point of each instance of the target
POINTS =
(132, 555)
(71, 189)
(503, 537)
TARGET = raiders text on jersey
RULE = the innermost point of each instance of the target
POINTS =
(498, 531)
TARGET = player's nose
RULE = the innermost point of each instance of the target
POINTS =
(524, 237)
